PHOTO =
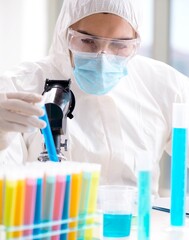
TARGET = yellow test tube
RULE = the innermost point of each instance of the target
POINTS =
(74, 201)
(92, 200)
(84, 201)
(9, 202)
(1, 197)
(19, 206)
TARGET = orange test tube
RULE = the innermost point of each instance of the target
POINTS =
(75, 201)
(19, 205)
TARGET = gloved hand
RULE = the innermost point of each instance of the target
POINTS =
(18, 113)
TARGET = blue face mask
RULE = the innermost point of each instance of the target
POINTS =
(98, 74)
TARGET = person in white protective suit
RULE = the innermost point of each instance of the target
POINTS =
(123, 100)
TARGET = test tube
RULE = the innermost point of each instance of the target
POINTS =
(178, 166)
(66, 207)
(91, 209)
(84, 201)
(60, 188)
(9, 200)
(49, 141)
(49, 192)
(20, 200)
(38, 199)
(30, 196)
(144, 195)
(1, 195)
(74, 200)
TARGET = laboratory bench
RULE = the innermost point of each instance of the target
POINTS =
(160, 228)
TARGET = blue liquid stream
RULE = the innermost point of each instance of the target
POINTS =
(116, 225)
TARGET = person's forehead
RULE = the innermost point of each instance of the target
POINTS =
(104, 25)
(113, 18)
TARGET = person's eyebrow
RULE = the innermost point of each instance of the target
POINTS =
(87, 33)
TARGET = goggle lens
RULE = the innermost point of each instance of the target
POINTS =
(91, 44)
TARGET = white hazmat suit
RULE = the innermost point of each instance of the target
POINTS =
(113, 128)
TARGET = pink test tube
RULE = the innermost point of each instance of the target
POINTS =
(29, 209)
(58, 202)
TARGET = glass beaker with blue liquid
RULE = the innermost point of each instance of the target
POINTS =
(115, 202)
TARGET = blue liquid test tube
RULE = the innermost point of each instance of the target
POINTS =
(65, 214)
(144, 196)
(38, 205)
(49, 141)
(178, 167)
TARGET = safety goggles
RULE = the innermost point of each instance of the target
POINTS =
(79, 42)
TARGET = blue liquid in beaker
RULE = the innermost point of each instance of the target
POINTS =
(116, 225)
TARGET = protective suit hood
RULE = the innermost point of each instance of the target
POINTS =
(74, 10)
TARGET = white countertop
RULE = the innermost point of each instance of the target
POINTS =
(160, 228)
(159, 224)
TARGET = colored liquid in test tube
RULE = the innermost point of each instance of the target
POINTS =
(144, 205)
(178, 167)
(49, 141)
(9, 201)
(93, 190)
(29, 209)
(49, 193)
(86, 178)
(90, 177)
(19, 204)
(144, 196)
(74, 201)
(66, 207)
(58, 201)
(1, 196)
(38, 202)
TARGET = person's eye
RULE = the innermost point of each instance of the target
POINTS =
(119, 45)
(123, 46)
(88, 41)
